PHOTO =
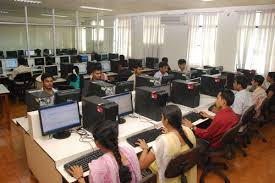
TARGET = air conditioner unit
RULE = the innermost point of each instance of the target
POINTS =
(172, 20)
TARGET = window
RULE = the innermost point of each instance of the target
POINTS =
(255, 43)
(100, 37)
(202, 39)
(153, 31)
(122, 36)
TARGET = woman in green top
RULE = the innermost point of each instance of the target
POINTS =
(74, 79)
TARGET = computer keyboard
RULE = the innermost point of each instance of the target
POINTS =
(193, 116)
(148, 136)
(84, 160)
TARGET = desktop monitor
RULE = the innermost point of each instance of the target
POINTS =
(20, 53)
(65, 69)
(179, 75)
(125, 105)
(152, 62)
(39, 61)
(83, 58)
(102, 56)
(132, 62)
(82, 67)
(75, 59)
(106, 66)
(113, 56)
(100, 88)
(247, 73)
(167, 79)
(1, 69)
(1, 54)
(145, 80)
(51, 69)
(57, 119)
(65, 51)
(124, 86)
(32, 100)
(64, 96)
(30, 53)
(11, 63)
(64, 60)
(50, 60)
(11, 54)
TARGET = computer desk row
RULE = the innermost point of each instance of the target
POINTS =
(47, 156)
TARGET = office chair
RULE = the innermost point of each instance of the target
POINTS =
(246, 118)
(21, 83)
(228, 143)
(182, 163)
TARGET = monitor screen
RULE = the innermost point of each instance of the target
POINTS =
(64, 60)
(84, 58)
(52, 122)
(11, 54)
(106, 66)
(11, 63)
(124, 102)
(74, 59)
(39, 61)
(50, 60)
(82, 67)
(51, 69)
(30, 53)
(103, 56)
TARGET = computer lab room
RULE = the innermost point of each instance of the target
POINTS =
(137, 91)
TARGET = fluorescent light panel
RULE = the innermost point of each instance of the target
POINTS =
(95, 8)
(49, 15)
(29, 1)
(207, 0)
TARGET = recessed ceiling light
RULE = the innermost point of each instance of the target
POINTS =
(95, 8)
(49, 15)
(3, 12)
(29, 1)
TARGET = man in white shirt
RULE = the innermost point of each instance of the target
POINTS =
(163, 69)
(182, 65)
(243, 99)
(22, 68)
(137, 71)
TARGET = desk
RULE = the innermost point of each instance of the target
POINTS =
(4, 97)
(46, 157)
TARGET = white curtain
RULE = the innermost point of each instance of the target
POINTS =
(202, 39)
(256, 40)
(122, 36)
(153, 36)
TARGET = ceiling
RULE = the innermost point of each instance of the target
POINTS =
(129, 6)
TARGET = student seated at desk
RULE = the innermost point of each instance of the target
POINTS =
(97, 74)
(271, 89)
(22, 68)
(47, 95)
(224, 120)
(243, 99)
(137, 68)
(176, 139)
(258, 94)
(74, 79)
(118, 164)
(182, 65)
(165, 60)
(163, 69)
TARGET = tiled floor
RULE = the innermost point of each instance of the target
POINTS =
(258, 167)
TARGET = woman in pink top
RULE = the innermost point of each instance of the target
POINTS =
(118, 164)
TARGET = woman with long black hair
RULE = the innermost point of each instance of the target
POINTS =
(176, 139)
(119, 164)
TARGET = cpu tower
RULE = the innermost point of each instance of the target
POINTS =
(212, 85)
(96, 109)
(149, 101)
(185, 93)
